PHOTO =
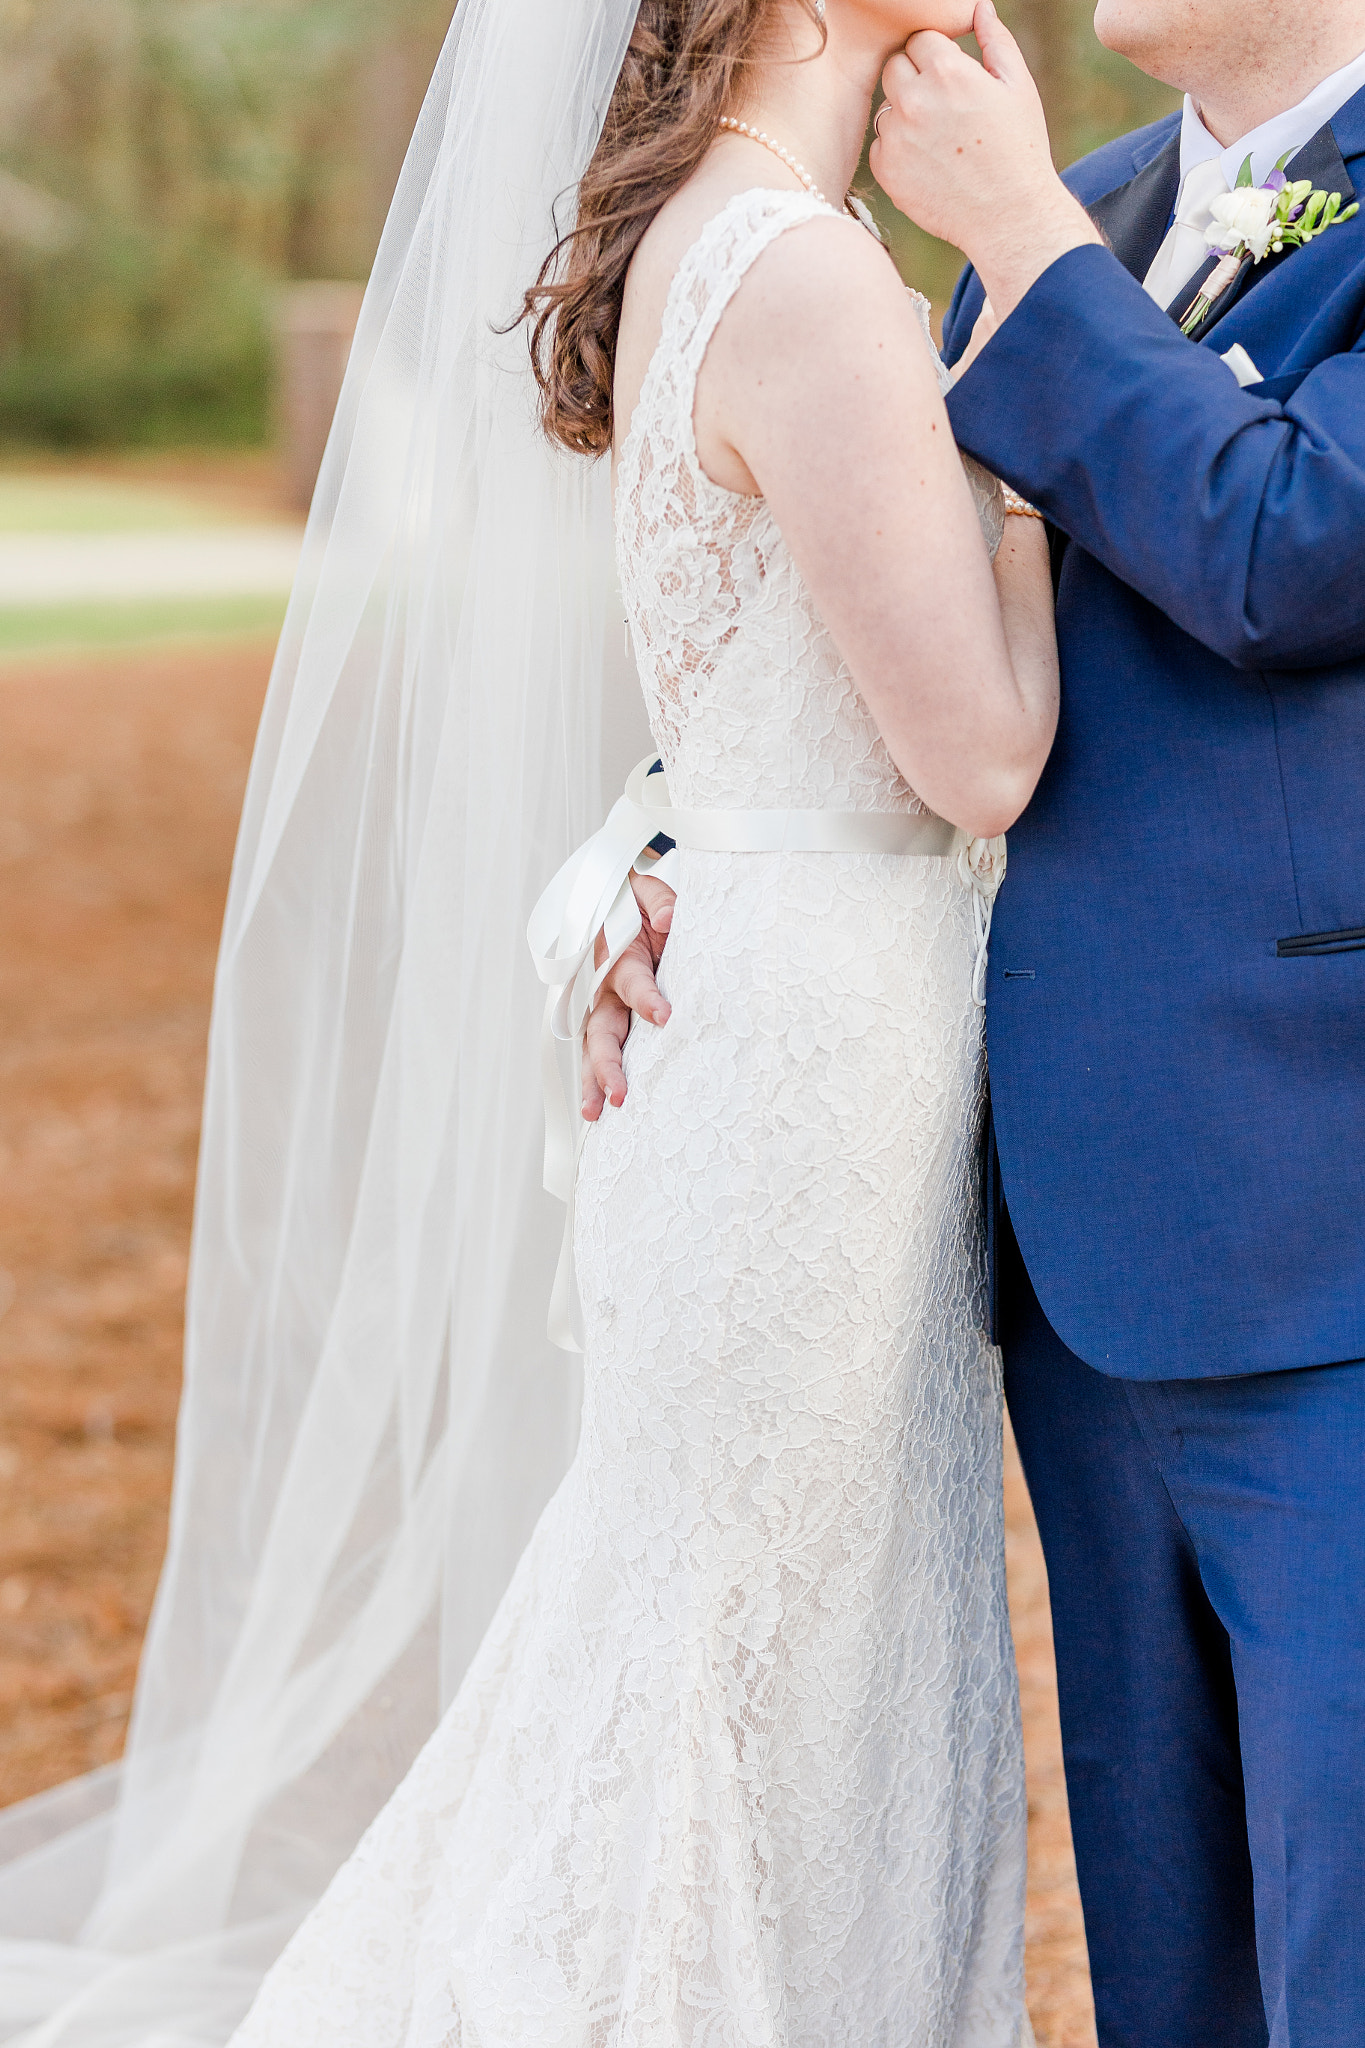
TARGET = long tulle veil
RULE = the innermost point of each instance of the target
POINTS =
(373, 1417)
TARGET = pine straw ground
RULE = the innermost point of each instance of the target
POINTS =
(120, 780)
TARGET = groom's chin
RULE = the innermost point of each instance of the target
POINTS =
(949, 17)
(1146, 32)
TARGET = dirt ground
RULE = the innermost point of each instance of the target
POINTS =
(120, 781)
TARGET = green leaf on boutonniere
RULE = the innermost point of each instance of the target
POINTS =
(1244, 175)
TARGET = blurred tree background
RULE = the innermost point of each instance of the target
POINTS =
(166, 164)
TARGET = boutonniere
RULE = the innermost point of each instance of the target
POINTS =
(1255, 221)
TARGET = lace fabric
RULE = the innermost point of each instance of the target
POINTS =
(720, 616)
(739, 1765)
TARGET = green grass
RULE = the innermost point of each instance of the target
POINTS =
(40, 629)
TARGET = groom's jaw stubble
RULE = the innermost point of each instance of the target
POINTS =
(1241, 61)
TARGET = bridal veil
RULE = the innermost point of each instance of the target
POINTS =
(373, 1417)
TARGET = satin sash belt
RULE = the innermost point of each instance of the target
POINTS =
(592, 894)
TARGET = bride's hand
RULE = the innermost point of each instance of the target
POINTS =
(629, 988)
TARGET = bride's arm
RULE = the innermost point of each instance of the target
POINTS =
(1023, 582)
(1023, 579)
(819, 391)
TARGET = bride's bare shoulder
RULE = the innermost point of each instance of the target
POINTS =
(682, 220)
(823, 270)
(822, 302)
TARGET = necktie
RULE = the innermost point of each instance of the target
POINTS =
(1184, 248)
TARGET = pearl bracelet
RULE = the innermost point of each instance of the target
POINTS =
(1020, 506)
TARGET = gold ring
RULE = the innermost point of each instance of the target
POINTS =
(877, 123)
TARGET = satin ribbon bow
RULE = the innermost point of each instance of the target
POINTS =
(590, 894)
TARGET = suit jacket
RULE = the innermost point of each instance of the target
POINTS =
(1176, 1000)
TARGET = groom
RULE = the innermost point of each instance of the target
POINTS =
(1177, 989)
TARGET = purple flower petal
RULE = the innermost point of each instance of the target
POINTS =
(1276, 182)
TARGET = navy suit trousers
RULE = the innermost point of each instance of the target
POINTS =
(1205, 1541)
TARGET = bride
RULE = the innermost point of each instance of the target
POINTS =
(738, 1761)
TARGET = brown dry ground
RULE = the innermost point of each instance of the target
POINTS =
(120, 781)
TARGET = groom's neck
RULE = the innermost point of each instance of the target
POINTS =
(1241, 61)
(1232, 106)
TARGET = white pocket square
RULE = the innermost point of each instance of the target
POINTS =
(1241, 365)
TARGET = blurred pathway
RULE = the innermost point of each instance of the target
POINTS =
(100, 557)
(74, 568)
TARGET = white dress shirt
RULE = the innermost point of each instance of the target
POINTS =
(1207, 169)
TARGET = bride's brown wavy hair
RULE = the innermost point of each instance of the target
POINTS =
(684, 68)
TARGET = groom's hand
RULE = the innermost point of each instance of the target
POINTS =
(963, 150)
(629, 988)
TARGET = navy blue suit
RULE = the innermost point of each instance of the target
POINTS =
(1176, 1021)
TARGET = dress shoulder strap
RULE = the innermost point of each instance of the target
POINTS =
(720, 259)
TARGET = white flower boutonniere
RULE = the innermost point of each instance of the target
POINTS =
(1256, 221)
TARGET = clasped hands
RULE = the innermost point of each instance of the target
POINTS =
(962, 149)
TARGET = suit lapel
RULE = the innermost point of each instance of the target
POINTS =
(1133, 219)
(1321, 160)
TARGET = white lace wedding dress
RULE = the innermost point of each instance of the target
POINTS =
(738, 1764)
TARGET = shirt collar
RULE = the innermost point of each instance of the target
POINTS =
(1283, 133)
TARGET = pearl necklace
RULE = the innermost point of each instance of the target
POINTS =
(758, 135)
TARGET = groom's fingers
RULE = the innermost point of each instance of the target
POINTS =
(603, 1044)
(656, 901)
(1000, 54)
(898, 79)
(633, 980)
(630, 987)
(903, 79)
(594, 1101)
(928, 52)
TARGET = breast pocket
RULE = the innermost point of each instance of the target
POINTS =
(1309, 945)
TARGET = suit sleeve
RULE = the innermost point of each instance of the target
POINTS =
(960, 318)
(1239, 516)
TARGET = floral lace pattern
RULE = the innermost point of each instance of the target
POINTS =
(750, 701)
(738, 1764)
